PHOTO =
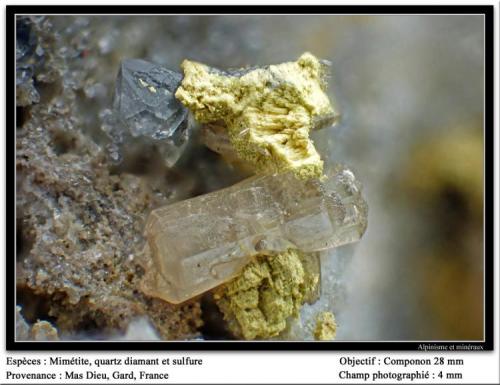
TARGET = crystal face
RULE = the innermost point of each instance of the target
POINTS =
(215, 137)
(146, 110)
(202, 242)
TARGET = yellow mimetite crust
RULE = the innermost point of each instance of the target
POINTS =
(257, 303)
(268, 111)
(326, 327)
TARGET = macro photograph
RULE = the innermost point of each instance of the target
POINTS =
(308, 178)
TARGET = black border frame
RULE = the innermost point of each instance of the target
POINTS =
(487, 344)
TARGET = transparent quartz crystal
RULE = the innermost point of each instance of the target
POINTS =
(215, 137)
(202, 242)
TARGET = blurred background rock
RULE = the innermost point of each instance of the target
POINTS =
(410, 92)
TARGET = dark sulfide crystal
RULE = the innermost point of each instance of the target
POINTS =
(146, 110)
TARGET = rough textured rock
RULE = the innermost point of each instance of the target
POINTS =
(23, 330)
(82, 237)
(28, 54)
(79, 226)
(44, 331)
(39, 331)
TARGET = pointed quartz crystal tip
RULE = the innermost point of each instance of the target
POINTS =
(205, 241)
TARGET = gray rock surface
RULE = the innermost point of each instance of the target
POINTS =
(79, 225)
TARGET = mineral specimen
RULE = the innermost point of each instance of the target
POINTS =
(326, 327)
(268, 112)
(23, 330)
(202, 242)
(80, 218)
(79, 235)
(257, 303)
(28, 53)
(146, 110)
(215, 137)
(44, 331)
(39, 331)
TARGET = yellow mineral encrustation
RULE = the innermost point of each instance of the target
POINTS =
(261, 274)
(326, 327)
(257, 303)
(269, 112)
